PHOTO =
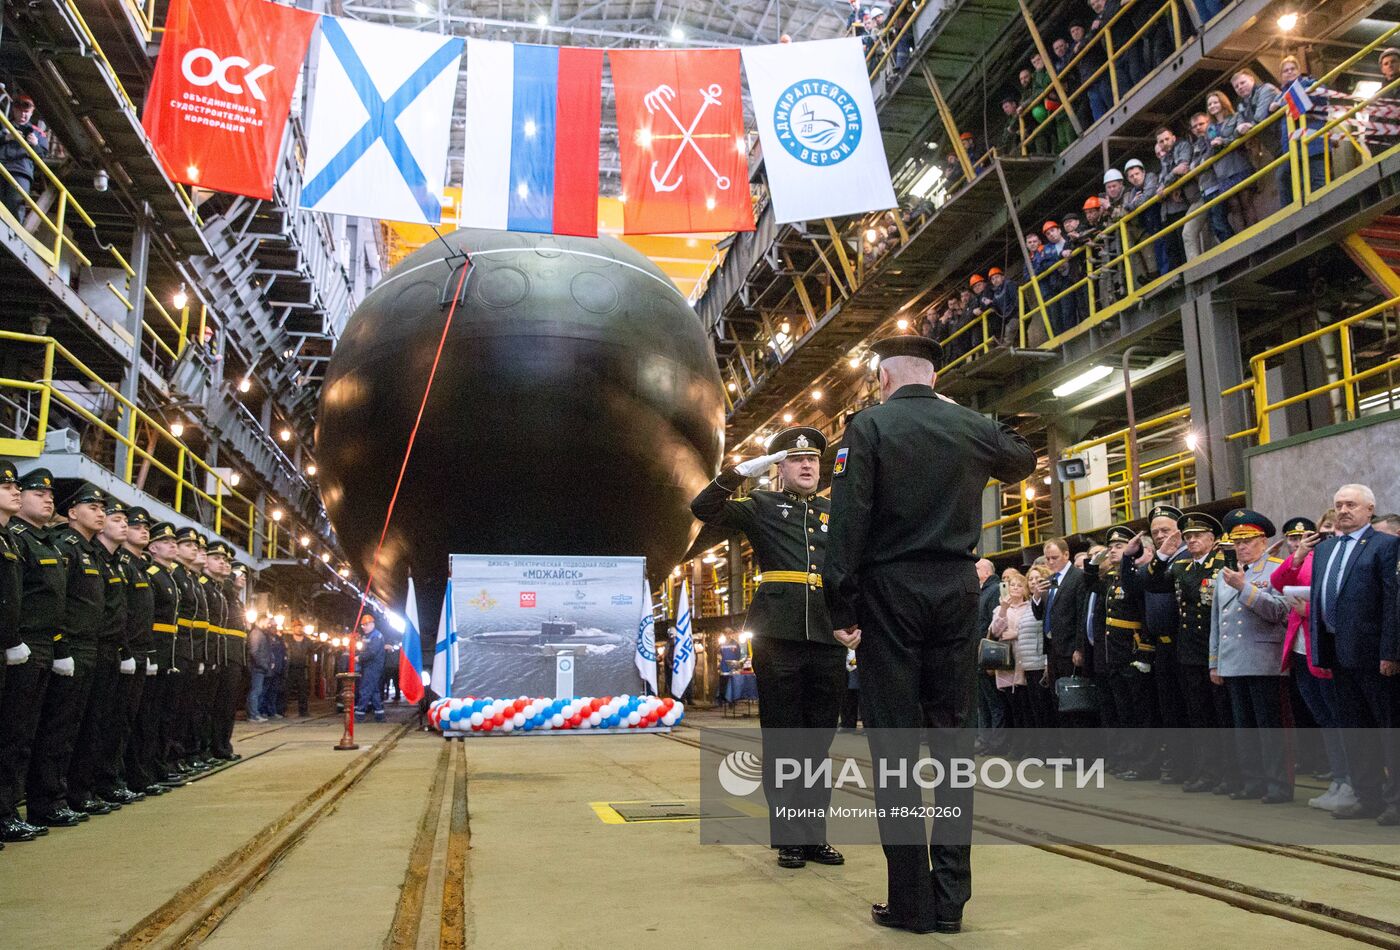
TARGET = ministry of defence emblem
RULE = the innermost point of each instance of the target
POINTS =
(818, 122)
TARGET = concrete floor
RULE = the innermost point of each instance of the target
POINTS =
(544, 871)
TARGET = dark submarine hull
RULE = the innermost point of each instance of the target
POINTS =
(577, 409)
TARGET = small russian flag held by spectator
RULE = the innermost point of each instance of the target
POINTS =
(1297, 99)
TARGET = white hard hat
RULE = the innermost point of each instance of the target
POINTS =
(1132, 163)
(1112, 174)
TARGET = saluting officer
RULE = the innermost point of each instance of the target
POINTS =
(210, 716)
(801, 668)
(232, 640)
(1124, 652)
(193, 618)
(906, 516)
(1160, 627)
(11, 640)
(124, 769)
(1248, 621)
(160, 711)
(1208, 767)
(65, 700)
(114, 665)
(43, 592)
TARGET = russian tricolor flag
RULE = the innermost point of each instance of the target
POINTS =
(1297, 99)
(533, 116)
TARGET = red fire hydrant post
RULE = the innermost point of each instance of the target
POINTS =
(346, 682)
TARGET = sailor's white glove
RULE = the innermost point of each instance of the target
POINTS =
(128, 665)
(759, 465)
(63, 667)
(151, 668)
(14, 656)
(201, 670)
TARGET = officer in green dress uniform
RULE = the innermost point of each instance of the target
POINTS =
(66, 699)
(1123, 652)
(1209, 767)
(214, 663)
(232, 639)
(901, 582)
(17, 653)
(159, 718)
(121, 771)
(189, 644)
(113, 668)
(801, 668)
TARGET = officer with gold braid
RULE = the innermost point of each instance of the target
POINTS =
(801, 668)
(233, 650)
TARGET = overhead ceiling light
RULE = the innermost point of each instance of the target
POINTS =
(306, 540)
(902, 324)
(817, 395)
(1287, 22)
(421, 8)
(854, 361)
(1087, 378)
(285, 435)
(785, 327)
(542, 20)
(1366, 88)
(871, 235)
(787, 417)
(177, 429)
(677, 34)
(733, 387)
(277, 514)
(234, 479)
(325, 558)
(344, 572)
(245, 384)
(1193, 441)
(311, 469)
(181, 298)
(1030, 493)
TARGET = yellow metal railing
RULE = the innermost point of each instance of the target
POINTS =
(985, 340)
(886, 46)
(1021, 521)
(1101, 38)
(1118, 486)
(1036, 299)
(235, 516)
(144, 13)
(1347, 380)
(53, 252)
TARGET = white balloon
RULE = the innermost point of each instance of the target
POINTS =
(507, 726)
(477, 719)
(556, 721)
(634, 718)
(594, 719)
(518, 719)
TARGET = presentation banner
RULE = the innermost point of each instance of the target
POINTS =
(545, 626)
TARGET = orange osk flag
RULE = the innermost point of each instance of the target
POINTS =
(222, 90)
(680, 130)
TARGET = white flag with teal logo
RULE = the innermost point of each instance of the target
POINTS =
(646, 640)
(821, 138)
(683, 649)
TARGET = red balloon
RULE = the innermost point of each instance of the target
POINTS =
(519, 704)
(595, 704)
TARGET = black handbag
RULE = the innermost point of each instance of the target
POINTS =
(995, 655)
(1076, 694)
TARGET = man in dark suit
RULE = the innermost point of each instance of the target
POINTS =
(1355, 635)
(1058, 603)
(901, 585)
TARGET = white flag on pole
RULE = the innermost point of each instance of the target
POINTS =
(821, 137)
(646, 641)
(683, 652)
(442, 652)
(381, 111)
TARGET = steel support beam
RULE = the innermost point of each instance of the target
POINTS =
(1210, 333)
(135, 327)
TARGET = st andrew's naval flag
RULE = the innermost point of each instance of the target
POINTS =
(440, 680)
(816, 119)
(533, 118)
(380, 107)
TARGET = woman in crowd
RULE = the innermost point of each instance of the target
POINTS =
(1314, 684)
(1226, 217)
(1255, 97)
(1013, 620)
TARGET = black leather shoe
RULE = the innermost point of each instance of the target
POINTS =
(1276, 798)
(15, 830)
(156, 789)
(1199, 785)
(111, 803)
(174, 780)
(823, 854)
(1359, 810)
(59, 818)
(1223, 788)
(94, 806)
(38, 830)
(1390, 817)
(1246, 793)
(792, 858)
(880, 913)
(127, 796)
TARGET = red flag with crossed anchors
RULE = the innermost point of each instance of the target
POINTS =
(680, 130)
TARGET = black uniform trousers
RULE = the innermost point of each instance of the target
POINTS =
(1210, 715)
(1367, 707)
(98, 718)
(146, 761)
(1132, 700)
(230, 687)
(179, 705)
(65, 701)
(111, 768)
(1171, 710)
(918, 663)
(800, 688)
(850, 709)
(206, 688)
(20, 709)
(299, 686)
(1257, 708)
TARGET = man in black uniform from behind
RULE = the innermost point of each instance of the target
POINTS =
(800, 667)
(906, 516)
